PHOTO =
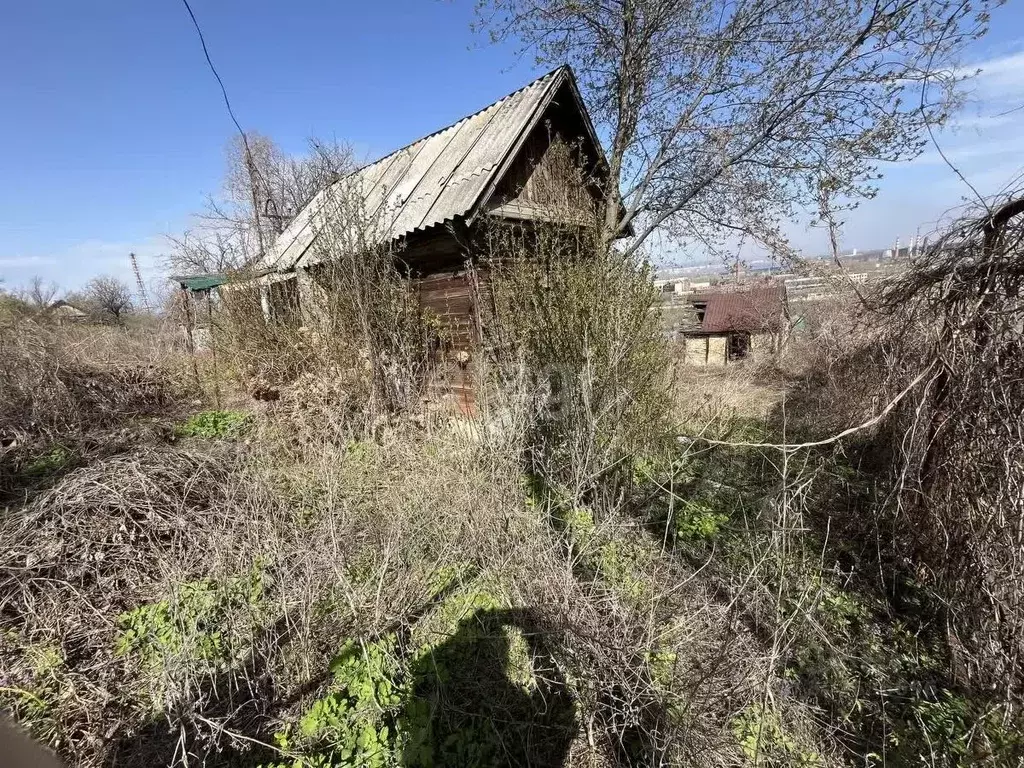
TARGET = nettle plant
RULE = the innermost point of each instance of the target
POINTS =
(204, 627)
(354, 724)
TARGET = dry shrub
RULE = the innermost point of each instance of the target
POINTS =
(579, 325)
(660, 663)
(956, 315)
(94, 545)
(59, 383)
(61, 379)
(349, 314)
(255, 351)
(292, 548)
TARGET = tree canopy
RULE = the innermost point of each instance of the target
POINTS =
(727, 116)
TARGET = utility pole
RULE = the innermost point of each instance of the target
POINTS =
(253, 173)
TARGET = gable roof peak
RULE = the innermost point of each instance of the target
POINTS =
(444, 175)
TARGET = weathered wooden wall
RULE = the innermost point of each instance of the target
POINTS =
(545, 182)
(447, 300)
(706, 350)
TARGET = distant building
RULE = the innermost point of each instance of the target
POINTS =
(63, 313)
(725, 326)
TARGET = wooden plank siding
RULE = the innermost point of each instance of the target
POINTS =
(547, 182)
(530, 158)
(447, 300)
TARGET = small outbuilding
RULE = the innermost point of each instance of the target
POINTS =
(729, 325)
(532, 156)
(63, 313)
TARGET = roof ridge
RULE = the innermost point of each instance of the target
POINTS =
(494, 103)
(440, 175)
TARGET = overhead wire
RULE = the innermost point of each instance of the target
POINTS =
(250, 163)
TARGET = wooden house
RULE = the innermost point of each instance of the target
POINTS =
(730, 325)
(431, 200)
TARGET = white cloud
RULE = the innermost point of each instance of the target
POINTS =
(1005, 71)
(996, 84)
(20, 262)
(975, 150)
(74, 265)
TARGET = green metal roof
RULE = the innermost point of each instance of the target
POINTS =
(200, 282)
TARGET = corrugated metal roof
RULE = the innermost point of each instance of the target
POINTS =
(433, 180)
(756, 309)
(200, 282)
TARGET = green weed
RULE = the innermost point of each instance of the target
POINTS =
(34, 696)
(352, 726)
(579, 524)
(214, 424)
(49, 463)
(766, 742)
(952, 730)
(194, 623)
(697, 520)
(621, 564)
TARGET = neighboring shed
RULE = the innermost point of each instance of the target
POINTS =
(429, 199)
(196, 301)
(64, 314)
(724, 326)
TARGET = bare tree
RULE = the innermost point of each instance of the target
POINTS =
(40, 293)
(109, 296)
(724, 117)
(261, 193)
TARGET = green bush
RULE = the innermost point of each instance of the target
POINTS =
(214, 424)
(195, 626)
(579, 524)
(697, 521)
(951, 729)
(765, 741)
(351, 726)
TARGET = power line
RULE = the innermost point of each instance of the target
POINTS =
(253, 170)
(209, 61)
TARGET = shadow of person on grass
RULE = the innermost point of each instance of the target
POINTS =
(490, 695)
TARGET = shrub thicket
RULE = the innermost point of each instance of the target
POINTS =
(599, 569)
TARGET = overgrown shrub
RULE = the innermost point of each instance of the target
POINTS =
(583, 326)
(59, 381)
(958, 488)
(348, 314)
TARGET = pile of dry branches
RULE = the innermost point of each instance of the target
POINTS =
(958, 312)
(94, 545)
(58, 380)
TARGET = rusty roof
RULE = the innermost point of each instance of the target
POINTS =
(435, 179)
(755, 309)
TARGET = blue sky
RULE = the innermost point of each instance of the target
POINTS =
(115, 130)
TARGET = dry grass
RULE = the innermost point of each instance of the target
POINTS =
(60, 384)
(348, 541)
(346, 580)
(187, 603)
(705, 395)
